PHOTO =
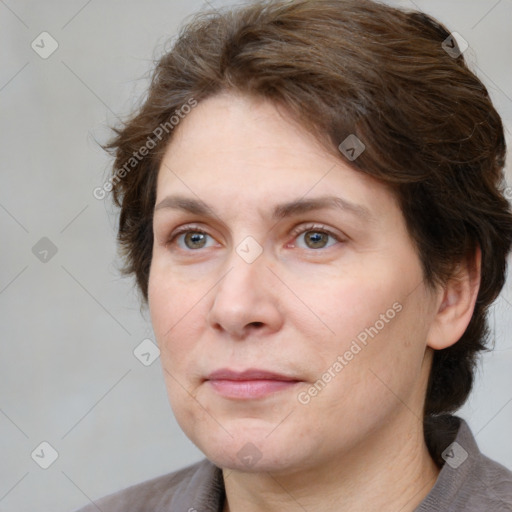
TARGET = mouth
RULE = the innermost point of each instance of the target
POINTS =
(249, 384)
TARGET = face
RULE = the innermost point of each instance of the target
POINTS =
(285, 293)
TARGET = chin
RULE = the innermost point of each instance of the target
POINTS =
(249, 448)
(250, 459)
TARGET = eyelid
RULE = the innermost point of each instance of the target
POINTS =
(187, 227)
(312, 226)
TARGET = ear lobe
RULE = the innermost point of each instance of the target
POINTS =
(457, 303)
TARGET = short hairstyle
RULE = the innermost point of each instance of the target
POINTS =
(340, 68)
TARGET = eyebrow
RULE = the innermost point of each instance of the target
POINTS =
(280, 211)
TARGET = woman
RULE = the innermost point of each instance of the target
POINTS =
(311, 204)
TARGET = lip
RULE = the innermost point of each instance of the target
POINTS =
(249, 384)
(249, 374)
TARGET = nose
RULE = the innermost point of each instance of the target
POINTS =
(245, 300)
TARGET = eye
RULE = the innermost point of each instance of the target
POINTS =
(192, 239)
(314, 238)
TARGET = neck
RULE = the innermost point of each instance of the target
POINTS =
(392, 471)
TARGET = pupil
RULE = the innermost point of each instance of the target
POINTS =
(195, 240)
(316, 239)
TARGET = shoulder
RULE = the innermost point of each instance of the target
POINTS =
(167, 492)
(485, 484)
(492, 486)
(468, 479)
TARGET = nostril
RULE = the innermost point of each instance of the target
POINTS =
(256, 324)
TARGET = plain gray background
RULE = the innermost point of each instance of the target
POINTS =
(69, 325)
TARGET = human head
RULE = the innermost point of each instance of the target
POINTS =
(343, 67)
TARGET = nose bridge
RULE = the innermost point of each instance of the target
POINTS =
(243, 296)
(244, 277)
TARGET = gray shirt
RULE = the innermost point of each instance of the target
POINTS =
(468, 482)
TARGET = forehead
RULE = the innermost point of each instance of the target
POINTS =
(231, 127)
(244, 151)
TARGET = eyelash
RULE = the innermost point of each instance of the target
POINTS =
(320, 228)
(299, 230)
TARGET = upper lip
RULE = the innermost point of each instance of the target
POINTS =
(249, 374)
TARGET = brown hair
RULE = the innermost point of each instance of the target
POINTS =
(342, 67)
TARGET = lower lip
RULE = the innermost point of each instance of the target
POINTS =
(247, 389)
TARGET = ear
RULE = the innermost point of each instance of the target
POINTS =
(456, 303)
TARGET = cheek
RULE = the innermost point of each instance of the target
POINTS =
(354, 303)
(375, 318)
(176, 309)
(175, 315)
(382, 347)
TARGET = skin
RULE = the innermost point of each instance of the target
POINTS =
(358, 443)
